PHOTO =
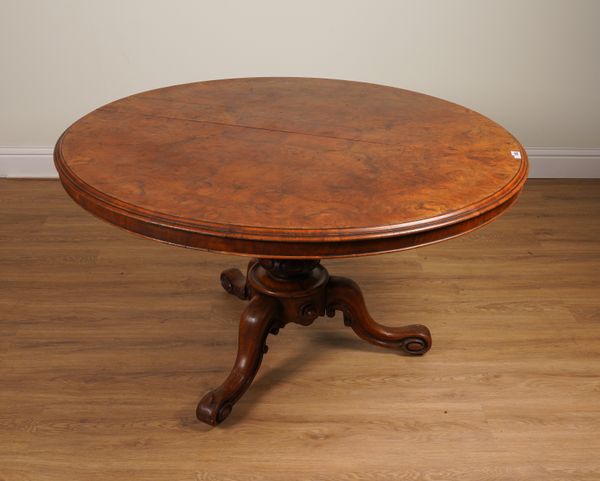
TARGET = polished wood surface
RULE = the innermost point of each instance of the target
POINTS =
(291, 167)
(107, 341)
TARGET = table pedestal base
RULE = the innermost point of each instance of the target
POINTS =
(282, 291)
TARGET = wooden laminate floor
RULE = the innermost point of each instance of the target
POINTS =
(107, 341)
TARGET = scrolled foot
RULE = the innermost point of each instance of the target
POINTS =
(234, 282)
(257, 321)
(212, 410)
(418, 343)
(345, 295)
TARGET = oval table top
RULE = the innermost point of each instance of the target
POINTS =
(291, 167)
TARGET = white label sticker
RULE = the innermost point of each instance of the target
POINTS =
(516, 154)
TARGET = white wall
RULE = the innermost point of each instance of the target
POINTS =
(532, 65)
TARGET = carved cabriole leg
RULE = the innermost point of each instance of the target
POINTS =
(258, 319)
(345, 295)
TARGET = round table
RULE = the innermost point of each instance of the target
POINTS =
(290, 171)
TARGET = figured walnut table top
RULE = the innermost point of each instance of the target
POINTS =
(290, 167)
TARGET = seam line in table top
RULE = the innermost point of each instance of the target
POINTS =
(225, 124)
(136, 209)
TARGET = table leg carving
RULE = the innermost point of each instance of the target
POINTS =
(234, 282)
(257, 321)
(344, 295)
(299, 291)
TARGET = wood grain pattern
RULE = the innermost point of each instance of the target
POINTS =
(107, 341)
(290, 167)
